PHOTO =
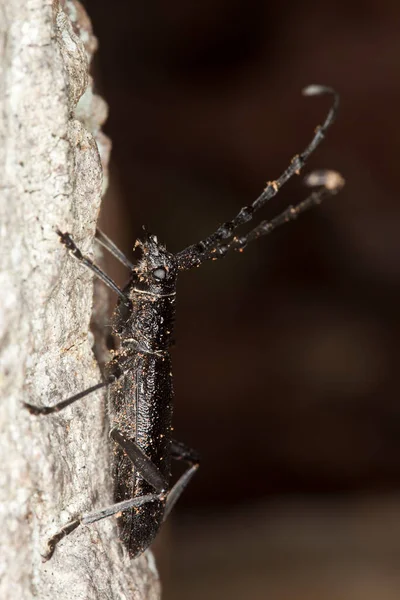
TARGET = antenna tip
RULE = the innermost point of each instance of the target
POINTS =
(317, 90)
(331, 180)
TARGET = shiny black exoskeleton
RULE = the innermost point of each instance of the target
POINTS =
(142, 402)
(140, 374)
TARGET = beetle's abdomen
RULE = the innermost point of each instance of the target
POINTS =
(143, 411)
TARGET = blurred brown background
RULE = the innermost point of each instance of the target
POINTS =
(287, 356)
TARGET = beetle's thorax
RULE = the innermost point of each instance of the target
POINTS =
(148, 322)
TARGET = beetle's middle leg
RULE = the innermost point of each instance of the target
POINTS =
(115, 369)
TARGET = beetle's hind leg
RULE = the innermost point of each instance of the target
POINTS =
(93, 517)
(150, 473)
(142, 463)
(146, 469)
(180, 451)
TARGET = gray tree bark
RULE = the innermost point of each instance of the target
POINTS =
(51, 177)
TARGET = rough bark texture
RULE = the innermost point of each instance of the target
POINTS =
(51, 176)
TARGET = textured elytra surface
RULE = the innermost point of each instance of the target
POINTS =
(51, 176)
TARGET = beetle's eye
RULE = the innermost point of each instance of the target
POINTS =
(159, 273)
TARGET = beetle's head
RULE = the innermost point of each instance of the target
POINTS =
(156, 270)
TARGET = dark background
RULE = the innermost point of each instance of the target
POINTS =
(286, 360)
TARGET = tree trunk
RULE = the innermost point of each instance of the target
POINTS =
(52, 467)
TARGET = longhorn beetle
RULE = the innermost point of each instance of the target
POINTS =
(140, 373)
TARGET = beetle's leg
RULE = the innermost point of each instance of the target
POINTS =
(150, 473)
(145, 467)
(147, 471)
(47, 410)
(115, 369)
(180, 451)
(93, 517)
(196, 254)
(105, 241)
(69, 243)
